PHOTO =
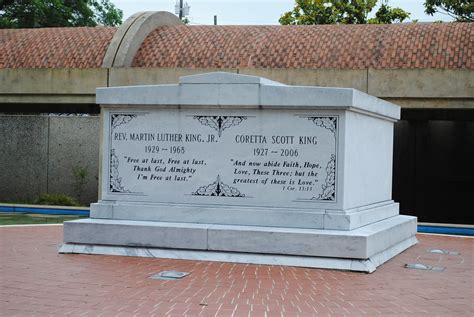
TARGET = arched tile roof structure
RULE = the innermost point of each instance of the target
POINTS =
(81, 47)
(396, 46)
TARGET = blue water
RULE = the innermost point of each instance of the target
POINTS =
(75, 212)
(446, 230)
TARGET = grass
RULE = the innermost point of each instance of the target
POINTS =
(56, 200)
(25, 218)
(48, 199)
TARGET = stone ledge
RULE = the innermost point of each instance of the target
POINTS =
(361, 244)
(367, 266)
(268, 217)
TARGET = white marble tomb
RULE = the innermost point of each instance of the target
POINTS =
(228, 167)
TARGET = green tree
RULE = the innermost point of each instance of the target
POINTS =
(55, 13)
(460, 10)
(387, 15)
(341, 11)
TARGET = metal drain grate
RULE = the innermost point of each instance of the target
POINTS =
(419, 266)
(442, 251)
(169, 275)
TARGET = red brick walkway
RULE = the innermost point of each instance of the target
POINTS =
(36, 280)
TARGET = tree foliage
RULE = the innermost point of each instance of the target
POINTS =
(341, 11)
(56, 13)
(460, 10)
(387, 15)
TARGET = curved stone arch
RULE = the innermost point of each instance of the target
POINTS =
(130, 35)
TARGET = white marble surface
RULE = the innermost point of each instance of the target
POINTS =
(136, 233)
(178, 183)
(228, 78)
(251, 216)
(226, 89)
(361, 243)
(367, 266)
(273, 159)
(368, 151)
(362, 148)
(360, 217)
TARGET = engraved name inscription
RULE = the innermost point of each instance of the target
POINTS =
(250, 158)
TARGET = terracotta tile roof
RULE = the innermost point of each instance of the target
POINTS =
(54, 47)
(412, 46)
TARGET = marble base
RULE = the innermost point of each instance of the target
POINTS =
(362, 249)
(251, 216)
(367, 266)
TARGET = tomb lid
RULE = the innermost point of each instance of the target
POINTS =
(226, 78)
(228, 90)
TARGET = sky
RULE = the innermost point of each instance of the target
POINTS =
(264, 12)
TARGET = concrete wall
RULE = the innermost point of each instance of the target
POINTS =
(38, 154)
(423, 88)
(421, 83)
(23, 156)
(51, 85)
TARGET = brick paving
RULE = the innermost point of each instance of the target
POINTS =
(36, 280)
